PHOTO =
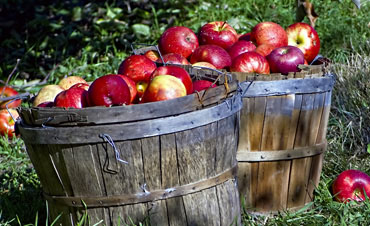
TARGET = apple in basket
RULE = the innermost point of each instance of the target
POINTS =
(351, 185)
(47, 94)
(74, 97)
(250, 62)
(240, 47)
(304, 37)
(164, 87)
(245, 37)
(285, 59)
(264, 49)
(8, 91)
(173, 58)
(132, 86)
(153, 55)
(7, 123)
(204, 65)
(69, 81)
(137, 67)
(178, 72)
(109, 90)
(178, 39)
(200, 85)
(269, 33)
(218, 33)
(212, 54)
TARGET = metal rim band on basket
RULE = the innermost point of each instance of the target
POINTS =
(132, 130)
(288, 86)
(264, 156)
(146, 196)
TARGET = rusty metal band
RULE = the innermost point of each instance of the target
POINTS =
(146, 196)
(288, 86)
(264, 156)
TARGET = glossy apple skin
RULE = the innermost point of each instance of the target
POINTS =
(304, 37)
(47, 93)
(137, 67)
(178, 39)
(69, 81)
(7, 122)
(164, 87)
(152, 55)
(217, 33)
(269, 33)
(285, 59)
(245, 37)
(173, 58)
(200, 85)
(141, 87)
(132, 86)
(212, 54)
(264, 49)
(250, 62)
(9, 92)
(74, 97)
(178, 72)
(350, 185)
(109, 90)
(240, 47)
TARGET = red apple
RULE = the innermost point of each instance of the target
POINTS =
(240, 47)
(351, 185)
(109, 90)
(69, 81)
(217, 33)
(137, 67)
(212, 54)
(305, 37)
(173, 58)
(164, 87)
(7, 122)
(178, 72)
(285, 59)
(132, 86)
(264, 49)
(74, 97)
(250, 62)
(200, 85)
(269, 33)
(178, 39)
(153, 55)
(8, 91)
(245, 37)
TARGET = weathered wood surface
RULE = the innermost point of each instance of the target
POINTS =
(163, 161)
(282, 119)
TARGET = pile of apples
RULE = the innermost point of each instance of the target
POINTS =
(268, 47)
(7, 111)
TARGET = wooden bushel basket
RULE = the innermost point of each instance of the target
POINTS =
(282, 138)
(180, 154)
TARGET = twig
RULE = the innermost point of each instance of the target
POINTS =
(10, 75)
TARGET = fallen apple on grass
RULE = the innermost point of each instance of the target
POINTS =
(7, 123)
(8, 91)
(351, 185)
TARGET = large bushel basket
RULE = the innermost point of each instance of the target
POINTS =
(282, 138)
(164, 163)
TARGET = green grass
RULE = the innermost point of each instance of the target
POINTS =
(89, 40)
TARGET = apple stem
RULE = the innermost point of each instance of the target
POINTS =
(10, 75)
